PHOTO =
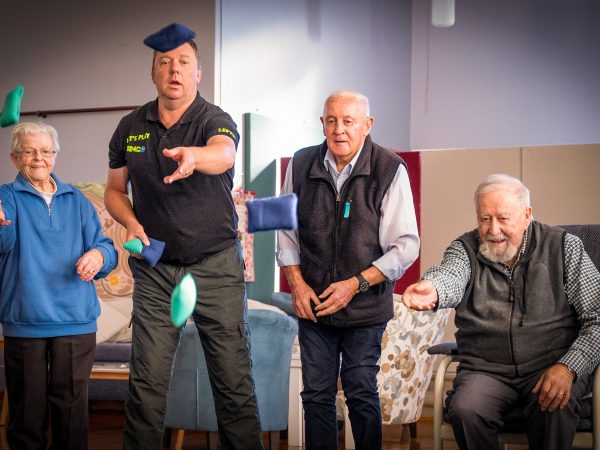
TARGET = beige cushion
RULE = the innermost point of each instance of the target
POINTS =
(109, 322)
(124, 306)
(117, 288)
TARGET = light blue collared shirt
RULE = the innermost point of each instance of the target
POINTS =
(398, 233)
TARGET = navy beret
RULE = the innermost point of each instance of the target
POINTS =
(169, 37)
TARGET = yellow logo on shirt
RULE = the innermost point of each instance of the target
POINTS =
(226, 131)
(137, 138)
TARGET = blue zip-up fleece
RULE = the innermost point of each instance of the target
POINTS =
(41, 294)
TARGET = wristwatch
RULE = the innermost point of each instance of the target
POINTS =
(363, 285)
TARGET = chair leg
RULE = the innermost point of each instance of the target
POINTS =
(213, 440)
(177, 436)
(412, 427)
(273, 440)
(4, 420)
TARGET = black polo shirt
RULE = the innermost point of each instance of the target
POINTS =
(194, 216)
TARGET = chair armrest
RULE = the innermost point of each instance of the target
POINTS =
(438, 396)
(596, 408)
(445, 348)
(283, 301)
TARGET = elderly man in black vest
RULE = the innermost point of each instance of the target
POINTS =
(357, 234)
(527, 299)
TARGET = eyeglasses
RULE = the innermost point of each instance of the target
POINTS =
(44, 152)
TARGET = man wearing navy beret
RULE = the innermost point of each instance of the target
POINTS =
(178, 152)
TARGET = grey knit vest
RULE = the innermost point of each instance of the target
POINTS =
(516, 326)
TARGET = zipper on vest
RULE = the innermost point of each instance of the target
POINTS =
(338, 199)
(511, 299)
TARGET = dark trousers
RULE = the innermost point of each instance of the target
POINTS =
(480, 402)
(320, 350)
(220, 316)
(49, 373)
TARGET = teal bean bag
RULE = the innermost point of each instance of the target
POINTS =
(12, 107)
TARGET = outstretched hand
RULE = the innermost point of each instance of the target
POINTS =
(3, 221)
(184, 156)
(420, 296)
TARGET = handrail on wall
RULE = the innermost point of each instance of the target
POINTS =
(45, 114)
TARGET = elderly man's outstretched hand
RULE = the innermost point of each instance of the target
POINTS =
(420, 296)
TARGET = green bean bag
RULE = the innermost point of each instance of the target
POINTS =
(12, 107)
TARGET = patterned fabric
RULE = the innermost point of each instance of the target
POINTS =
(590, 236)
(582, 284)
(240, 198)
(117, 287)
(406, 367)
(119, 284)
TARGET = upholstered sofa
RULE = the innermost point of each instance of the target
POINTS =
(113, 338)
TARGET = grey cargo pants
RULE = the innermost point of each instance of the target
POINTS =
(220, 316)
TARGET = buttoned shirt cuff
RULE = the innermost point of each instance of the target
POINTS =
(388, 266)
(288, 258)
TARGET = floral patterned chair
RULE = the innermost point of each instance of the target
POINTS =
(406, 367)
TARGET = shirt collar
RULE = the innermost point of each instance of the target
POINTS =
(524, 244)
(21, 184)
(330, 164)
(187, 117)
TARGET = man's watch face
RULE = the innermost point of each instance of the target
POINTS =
(363, 287)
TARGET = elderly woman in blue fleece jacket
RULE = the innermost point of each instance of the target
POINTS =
(51, 248)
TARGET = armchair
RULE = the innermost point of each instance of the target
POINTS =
(588, 427)
(406, 365)
(190, 404)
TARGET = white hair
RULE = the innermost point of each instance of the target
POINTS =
(24, 128)
(359, 96)
(501, 181)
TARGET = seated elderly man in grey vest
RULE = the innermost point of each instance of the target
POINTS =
(527, 300)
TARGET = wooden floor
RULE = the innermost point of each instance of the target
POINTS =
(106, 427)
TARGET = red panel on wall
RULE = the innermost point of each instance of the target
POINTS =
(283, 284)
(413, 161)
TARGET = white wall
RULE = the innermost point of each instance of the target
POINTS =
(77, 54)
(282, 59)
(508, 73)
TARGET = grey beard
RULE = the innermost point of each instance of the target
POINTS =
(499, 256)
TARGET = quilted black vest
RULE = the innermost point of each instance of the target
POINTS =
(334, 247)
